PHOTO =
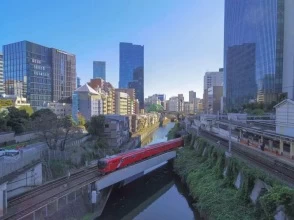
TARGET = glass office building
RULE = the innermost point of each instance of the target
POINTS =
(38, 73)
(1, 75)
(131, 57)
(131, 69)
(78, 82)
(138, 85)
(253, 51)
(99, 69)
(64, 76)
(27, 72)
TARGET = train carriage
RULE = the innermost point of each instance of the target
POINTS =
(115, 162)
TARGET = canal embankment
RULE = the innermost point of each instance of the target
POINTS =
(141, 137)
(224, 188)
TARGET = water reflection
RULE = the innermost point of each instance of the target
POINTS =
(158, 195)
(159, 135)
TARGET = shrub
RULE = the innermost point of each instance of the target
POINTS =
(217, 196)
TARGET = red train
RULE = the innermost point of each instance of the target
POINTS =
(115, 162)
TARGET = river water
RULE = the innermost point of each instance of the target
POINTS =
(159, 195)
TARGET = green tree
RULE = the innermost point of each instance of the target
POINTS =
(43, 112)
(4, 103)
(46, 123)
(67, 125)
(27, 108)
(257, 111)
(53, 130)
(4, 116)
(18, 120)
(81, 120)
(155, 108)
(96, 125)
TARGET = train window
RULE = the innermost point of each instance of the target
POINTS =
(106, 125)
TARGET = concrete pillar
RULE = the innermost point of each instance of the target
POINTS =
(261, 139)
(270, 144)
(240, 134)
(281, 147)
(3, 199)
(292, 150)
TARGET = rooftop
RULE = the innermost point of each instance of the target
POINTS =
(86, 88)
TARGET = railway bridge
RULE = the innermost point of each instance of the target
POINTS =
(86, 187)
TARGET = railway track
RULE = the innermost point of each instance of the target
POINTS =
(43, 188)
(276, 167)
(27, 203)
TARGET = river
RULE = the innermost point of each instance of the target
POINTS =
(158, 195)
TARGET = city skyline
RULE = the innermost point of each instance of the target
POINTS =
(179, 47)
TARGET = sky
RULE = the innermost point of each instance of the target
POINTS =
(182, 38)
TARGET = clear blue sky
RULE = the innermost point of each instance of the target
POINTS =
(182, 38)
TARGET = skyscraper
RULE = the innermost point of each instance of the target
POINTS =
(1, 75)
(138, 85)
(78, 82)
(258, 51)
(181, 102)
(211, 79)
(38, 73)
(241, 82)
(63, 74)
(99, 69)
(131, 69)
(192, 96)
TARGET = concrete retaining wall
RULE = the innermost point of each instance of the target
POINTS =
(25, 137)
(25, 181)
(9, 137)
(11, 164)
(6, 137)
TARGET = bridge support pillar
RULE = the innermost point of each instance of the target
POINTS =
(281, 149)
(3, 199)
(292, 150)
